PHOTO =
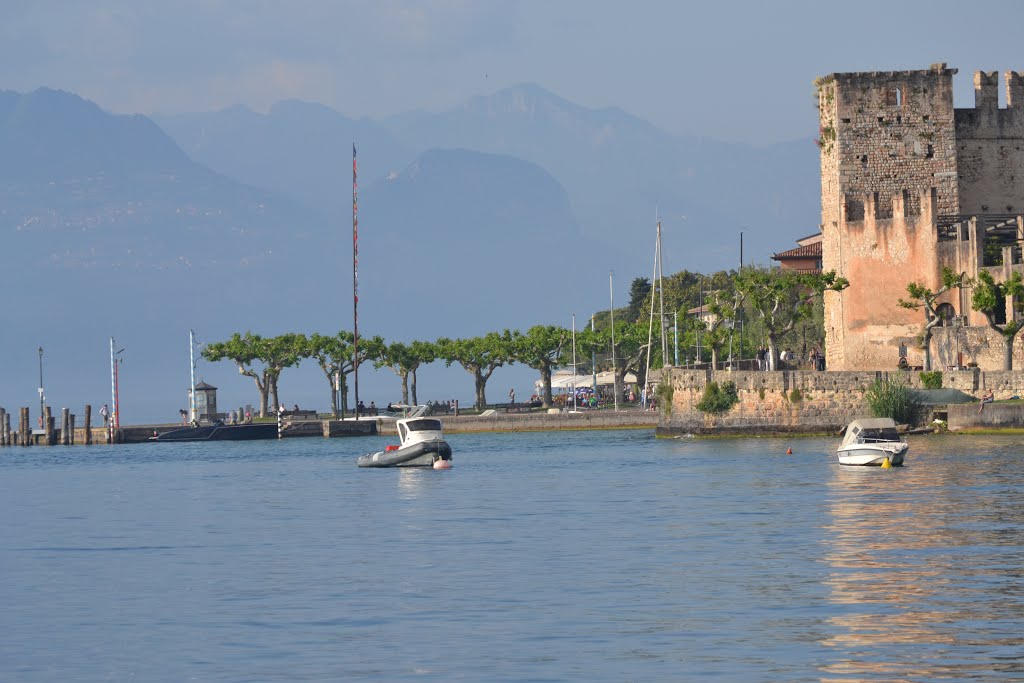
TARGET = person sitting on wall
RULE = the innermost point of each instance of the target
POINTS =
(987, 397)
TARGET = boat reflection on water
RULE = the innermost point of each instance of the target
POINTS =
(908, 581)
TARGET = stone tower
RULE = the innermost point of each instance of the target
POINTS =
(911, 186)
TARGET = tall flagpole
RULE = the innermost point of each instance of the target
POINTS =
(355, 284)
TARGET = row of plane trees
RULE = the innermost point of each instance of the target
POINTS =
(778, 300)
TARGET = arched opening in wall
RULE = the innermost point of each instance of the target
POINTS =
(946, 313)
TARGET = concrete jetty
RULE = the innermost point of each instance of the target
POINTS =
(69, 434)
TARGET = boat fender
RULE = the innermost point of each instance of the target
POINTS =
(390, 447)
(442, 464)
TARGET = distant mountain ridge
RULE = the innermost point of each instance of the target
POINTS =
(617, 169)
(119, 233)
(51, 135)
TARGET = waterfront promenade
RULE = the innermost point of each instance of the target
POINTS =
(492, 421)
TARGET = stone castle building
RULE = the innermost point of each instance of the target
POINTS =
(910, 185)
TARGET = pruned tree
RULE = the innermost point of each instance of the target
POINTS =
(783, 298)
(423, 353)
(629, 350)
(722, 305)
(274, 353)
(479, 356)
(404, 360)
(989, 298)
(541, 348)
(335, 356)
(924, 298)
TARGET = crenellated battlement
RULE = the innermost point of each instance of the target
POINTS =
(1014, 90)
(904, 207)
(986, 90)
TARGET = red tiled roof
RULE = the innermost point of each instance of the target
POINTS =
(810, 251)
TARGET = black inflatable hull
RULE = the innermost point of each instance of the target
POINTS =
(421, 454)
(246, 432)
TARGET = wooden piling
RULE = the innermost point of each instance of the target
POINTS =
(24, 430)
(65, 420)
(71, 429)
(88, 424)
(48, 427)
(3, 434)
(7, 428)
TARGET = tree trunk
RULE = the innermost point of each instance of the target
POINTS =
(415, 400)
(545, 376)
(714, 358)
(334, 394)
(480, 384)
(926, 341)
(273, 391)
(344, 395)
(263, 389)
(773, 353)
(405, 388)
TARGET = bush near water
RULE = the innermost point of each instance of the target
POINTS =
(718, 399)
(894, 399)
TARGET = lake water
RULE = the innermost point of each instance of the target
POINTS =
(584, 556)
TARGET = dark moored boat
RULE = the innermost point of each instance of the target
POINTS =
(220, 432)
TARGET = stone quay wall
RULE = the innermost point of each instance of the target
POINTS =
(803, 401)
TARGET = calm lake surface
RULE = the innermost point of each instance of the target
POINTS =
(584, 556)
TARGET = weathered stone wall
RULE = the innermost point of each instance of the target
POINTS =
(803, 401)
(864, 324)
(990, 147)
(886, 133)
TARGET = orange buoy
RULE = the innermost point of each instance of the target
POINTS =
(789, 451)
(442, 464)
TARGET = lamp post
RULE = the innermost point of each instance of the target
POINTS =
(42, 407)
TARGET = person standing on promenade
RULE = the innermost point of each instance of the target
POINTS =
(105, 414)
(512, 395)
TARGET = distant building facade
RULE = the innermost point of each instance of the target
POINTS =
(805, 258)
(910, 185)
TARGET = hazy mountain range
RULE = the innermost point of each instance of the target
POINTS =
(505, 212)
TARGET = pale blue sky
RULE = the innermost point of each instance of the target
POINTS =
(737, 71)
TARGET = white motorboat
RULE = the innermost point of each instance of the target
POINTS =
(422, 445)
(871, 442)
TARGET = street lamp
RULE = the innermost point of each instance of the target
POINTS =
(42, 408)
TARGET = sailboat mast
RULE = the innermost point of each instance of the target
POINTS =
(650, 326)
(192, 376)
(355, 284)
(574, 361)
(661, 290)
(611, 320)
